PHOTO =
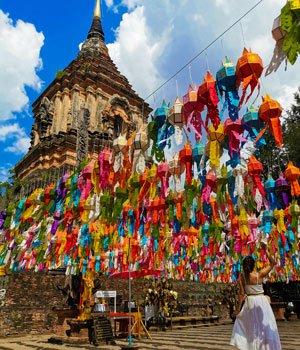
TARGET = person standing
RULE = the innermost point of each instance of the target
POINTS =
(255, 326)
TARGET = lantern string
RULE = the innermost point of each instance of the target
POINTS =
(242, 30)
(203, 50)
(206, 58)
(191, 78)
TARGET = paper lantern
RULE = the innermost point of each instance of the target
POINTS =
(249, 68)
(190, 100)
(141, 141)
(186, 157)
(160, 114)
(269, 112)
(277, 32)
(234, 129)
(226, 83)
(175, 116)
(215, 137)
(163, 174)
(282, 187)
(120, 144)
(292, 174)
(192, 111)
(198, 152)
(270, 186)
(255, 169)
(253, 124)
(207, 94)
(294, 4)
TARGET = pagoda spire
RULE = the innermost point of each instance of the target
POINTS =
(96, 30)
(97, 11)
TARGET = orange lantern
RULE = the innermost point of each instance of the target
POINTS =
(255, 168)
(269, 112)
(207, 94)
(186, 157)
(163, 174)
(249, 68)
(292, 173)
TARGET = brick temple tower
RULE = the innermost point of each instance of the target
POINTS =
(84, 109)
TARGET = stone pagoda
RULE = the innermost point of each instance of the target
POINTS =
(82, 111)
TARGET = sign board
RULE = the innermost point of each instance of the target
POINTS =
(106, 294)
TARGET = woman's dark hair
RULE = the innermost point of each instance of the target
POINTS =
(248, 264)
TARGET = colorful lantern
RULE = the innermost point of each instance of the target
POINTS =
(161, 113)
(234, 129)
(198, 152)
(215, 137)
(282, 187)
(226, 83)
(163, 174)
(120, 144)
(292, 174)
(255, 169)
(249, 68)
(253, 124)
(269, 112)
(270, 186)
(175, 116)
(176, 169)
(207, 94)
(192, 111)
(186, 157)
(277, 32)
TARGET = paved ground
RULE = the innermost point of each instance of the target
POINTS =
(200, 338)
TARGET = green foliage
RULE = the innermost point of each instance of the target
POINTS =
(275, 159)
(290, 24)
(60, 74)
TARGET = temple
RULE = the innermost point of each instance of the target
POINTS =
(84, 109)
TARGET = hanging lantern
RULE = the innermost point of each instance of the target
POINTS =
(176, 169)
(253, 124)
(270, 186)
(277, 32)
(175, 116)
(141, 141)
(294, 4)
(215, 137)
(163, 174)
(292, 174)
(269, 112)
(248, 70)
(255, 169)
(234, 129)
(160, 114)
(120, 144)
(226, 83)
(207, 94)
(198, 152)
(186, 157)
(282, 187)
(192, 111)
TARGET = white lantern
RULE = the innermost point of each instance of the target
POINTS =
(277, 32)
(175, 116)
(120, 144)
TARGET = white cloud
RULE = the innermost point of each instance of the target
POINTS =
(109, 3)
(157, 37)
(135, 43)
(20, 45)
(4, 172)
(21, 142)
(20, 146)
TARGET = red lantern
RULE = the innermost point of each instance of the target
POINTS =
(207, 94)
(163, 174)
(186, 157)
(249, 68)
(192, 111)
(269, 112)
(292, 173)
(255, 168)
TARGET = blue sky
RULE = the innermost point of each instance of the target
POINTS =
(155, 37)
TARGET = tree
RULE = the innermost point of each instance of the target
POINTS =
(275, 159)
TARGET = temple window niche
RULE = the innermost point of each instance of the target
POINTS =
(118, 126)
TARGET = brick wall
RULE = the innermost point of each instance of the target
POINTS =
(30, 299)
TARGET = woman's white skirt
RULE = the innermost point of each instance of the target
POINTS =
(255, 326)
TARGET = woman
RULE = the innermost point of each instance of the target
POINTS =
(255, 326)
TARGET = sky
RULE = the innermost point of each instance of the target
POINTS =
(149, 40)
